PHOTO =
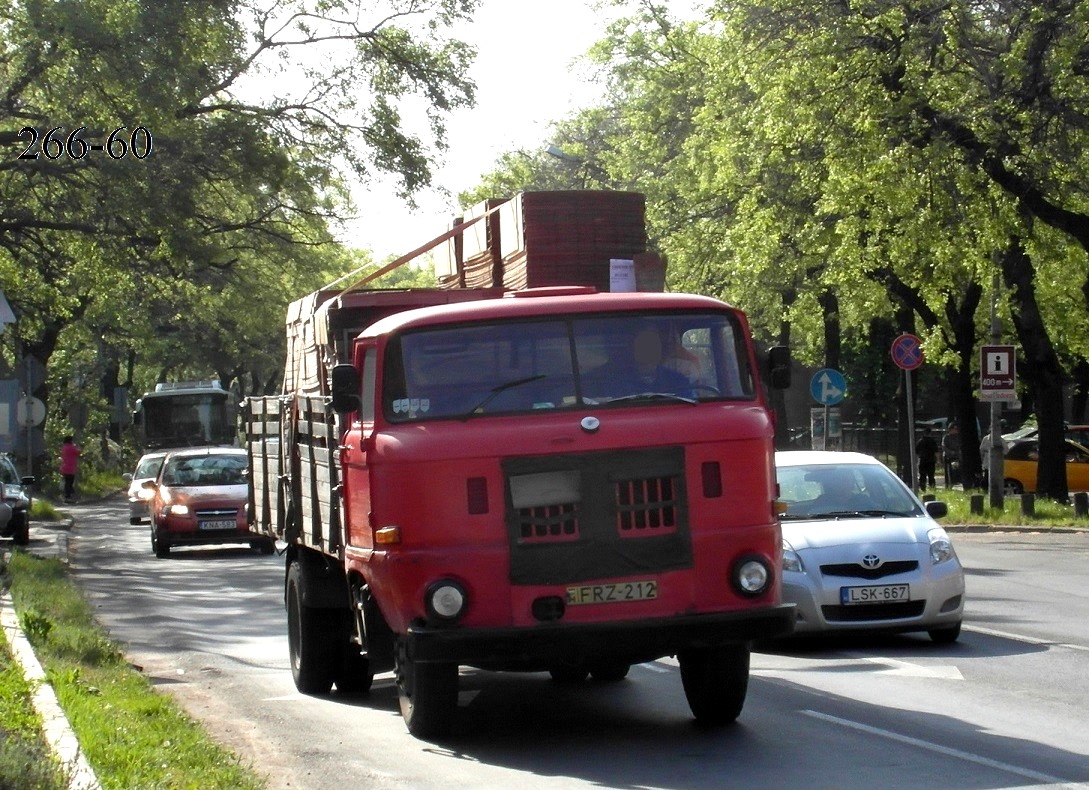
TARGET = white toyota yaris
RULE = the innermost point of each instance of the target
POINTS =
(861, 552)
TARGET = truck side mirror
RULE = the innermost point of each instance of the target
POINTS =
(345, 389)
(779, 367)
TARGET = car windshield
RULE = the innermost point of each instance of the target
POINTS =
(564, 362)
(205, 470)
(8, 475)
(843, 490)
(148, 467)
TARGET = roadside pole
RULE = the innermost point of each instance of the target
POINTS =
(907, 353)
(997, 383)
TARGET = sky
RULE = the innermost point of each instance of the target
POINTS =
(524, 84)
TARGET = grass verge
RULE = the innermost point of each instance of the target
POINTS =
(1048, 514)
(132, 735)
(25, 760)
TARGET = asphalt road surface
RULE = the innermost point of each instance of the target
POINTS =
(1006, 706)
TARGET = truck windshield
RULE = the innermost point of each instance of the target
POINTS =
(556, 363)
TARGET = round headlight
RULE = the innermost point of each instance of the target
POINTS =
(751, 576)
(446, 600)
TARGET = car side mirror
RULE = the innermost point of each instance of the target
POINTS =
(344, 387)
(936, 509)
(779, 367)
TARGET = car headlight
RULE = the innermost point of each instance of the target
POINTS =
(941, 548)
(176, 510)
(791, 561)
(144, 493)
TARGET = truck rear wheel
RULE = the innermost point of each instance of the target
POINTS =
(313, 638)
(354, 675)
(428, 694)
(715, 681)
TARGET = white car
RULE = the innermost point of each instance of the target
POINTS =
(147, 468)
(861, 552)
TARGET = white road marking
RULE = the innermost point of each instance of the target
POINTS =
(906, 669)
(934, 747)
(1032, 640)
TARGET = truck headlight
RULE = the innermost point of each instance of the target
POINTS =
(446, 601)
(751, 575)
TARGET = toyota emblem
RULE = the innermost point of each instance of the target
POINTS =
(871, 561)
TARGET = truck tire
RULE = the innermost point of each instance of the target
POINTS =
(428, 694)
(715, 681)
(313, 638)
(354, 675)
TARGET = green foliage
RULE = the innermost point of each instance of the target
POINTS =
(127, 271)
(24, 758)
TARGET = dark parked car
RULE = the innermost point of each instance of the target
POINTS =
(200, 497)
(15, 509)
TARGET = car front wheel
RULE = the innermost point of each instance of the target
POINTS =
(160, 546)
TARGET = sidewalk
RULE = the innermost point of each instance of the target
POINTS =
(48, 539)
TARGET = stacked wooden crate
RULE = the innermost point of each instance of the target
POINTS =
(542, 239)
(569, 238)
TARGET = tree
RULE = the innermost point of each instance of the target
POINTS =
(236, 187)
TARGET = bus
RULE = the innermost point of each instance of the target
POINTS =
(184, 414)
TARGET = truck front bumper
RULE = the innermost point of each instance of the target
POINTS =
(537, 648)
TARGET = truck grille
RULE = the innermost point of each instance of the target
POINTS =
(549, 522)
(646, 506)
(598, 515)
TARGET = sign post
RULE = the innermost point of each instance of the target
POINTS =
(828, 387)
(907, 353)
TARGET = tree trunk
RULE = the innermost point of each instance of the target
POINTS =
(1042, 369)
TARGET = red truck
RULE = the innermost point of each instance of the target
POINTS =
(554, 479)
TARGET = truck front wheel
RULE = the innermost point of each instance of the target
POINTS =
(428, 694)
(312, 638)
(715, 681)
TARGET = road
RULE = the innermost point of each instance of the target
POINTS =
(1006, 706)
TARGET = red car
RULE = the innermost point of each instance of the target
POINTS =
(200, 497)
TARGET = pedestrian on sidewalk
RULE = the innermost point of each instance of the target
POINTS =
(69, 466)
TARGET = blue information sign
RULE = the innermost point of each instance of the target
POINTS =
(828, 386)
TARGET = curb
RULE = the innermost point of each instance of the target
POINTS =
(62, 740)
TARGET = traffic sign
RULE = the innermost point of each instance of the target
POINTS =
(828, 386)
(997, 373)
(907, 351)
(29, 411)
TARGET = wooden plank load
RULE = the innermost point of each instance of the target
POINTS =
(482, 266)
(569, 238)
(542, 239)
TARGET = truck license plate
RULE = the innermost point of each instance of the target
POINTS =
(219, 523)
(613, 593)
(874, 593)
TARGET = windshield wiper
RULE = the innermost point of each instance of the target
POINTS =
(653, 396)
(496, 390)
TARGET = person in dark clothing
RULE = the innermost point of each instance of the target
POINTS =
(926, 452)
